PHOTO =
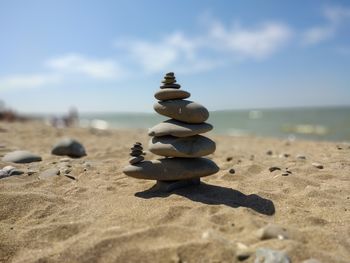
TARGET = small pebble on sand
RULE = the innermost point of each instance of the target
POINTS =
(274, 168)
(317, 165)
(301, 157)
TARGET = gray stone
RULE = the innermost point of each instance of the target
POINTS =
(12, 170)
(171, 94)
(9, 171)
(170, 86)
(301, 157)
(69, 147)
(179, 129)
(272, 231)
(188, 147)
(265, 255)
(136, 159)
(172, 169)
(21, 157)
(182, 110)
(49, 173)
(169, 186)
(274, 168)
(317, 165)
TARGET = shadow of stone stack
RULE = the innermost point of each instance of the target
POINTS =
(178, 140)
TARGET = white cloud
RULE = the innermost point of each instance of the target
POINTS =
(259, 42)
(336, 16)
(78, 64)
(28, 81)
(184, 54)
(316, 35)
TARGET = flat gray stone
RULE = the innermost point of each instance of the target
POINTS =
(8, 171)
(171, 86)
(172, 169)
(179, 129)
(21, 157)
(265, 255)
(182, 110)
(317, 165)
(272, 231)
(49, 173)
(69, 147)
(171, 94)
(169, 186)
(188, 147)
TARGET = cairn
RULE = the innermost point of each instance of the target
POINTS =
(136, 153)
(178, 140)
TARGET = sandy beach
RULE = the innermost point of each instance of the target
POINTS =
(97, 214)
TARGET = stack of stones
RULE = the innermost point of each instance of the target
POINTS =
(136, 153)
(177, 140)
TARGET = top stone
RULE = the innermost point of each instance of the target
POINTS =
(169, 79)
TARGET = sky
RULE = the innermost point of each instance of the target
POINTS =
(109, 56)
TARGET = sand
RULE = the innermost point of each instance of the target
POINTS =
(100, 215)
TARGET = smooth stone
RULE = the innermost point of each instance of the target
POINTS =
(69, 147)
(171, 94)
(187, 147)
(12, 170)
(172, 169)
(266, 255)
(182, 110)
(272, 231)
(179, 129)
(21, 157)
(301, 157)
(136, 159)
(136, 153)
(169, 186)
(49, 173)
(274, 168)
(317, 165)
(169, 81)
(136, 148)
(170, 86)
(170, 74)
(9, 171)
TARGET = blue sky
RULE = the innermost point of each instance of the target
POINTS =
(112, 55)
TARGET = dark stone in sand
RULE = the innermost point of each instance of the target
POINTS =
(274, 168)
(188, 147)
(21, 157)
(172, 169)
(182, 110)
(69, 147)
(179, 129)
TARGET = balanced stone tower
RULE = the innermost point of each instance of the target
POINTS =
(178, 140)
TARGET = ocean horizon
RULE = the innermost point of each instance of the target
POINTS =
(314, 123)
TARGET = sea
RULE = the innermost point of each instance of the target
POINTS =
(323, 123)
